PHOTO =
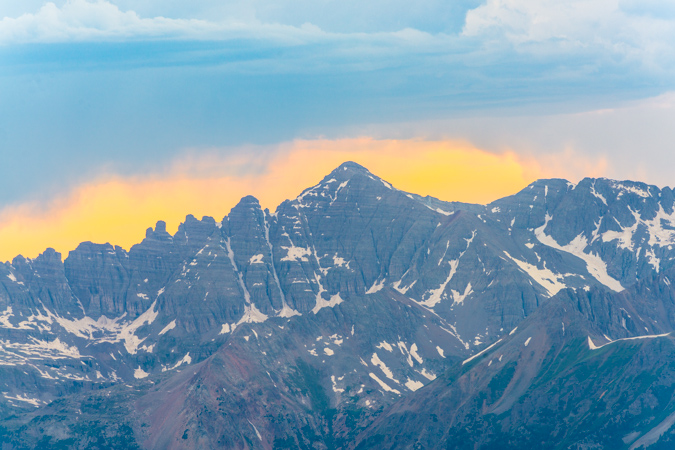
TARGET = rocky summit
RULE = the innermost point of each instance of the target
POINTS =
(355, 316)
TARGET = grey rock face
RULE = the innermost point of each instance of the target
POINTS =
(324, 323)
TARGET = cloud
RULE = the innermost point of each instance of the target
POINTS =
(501, 50)
(118, 209)
(242, 41)
(83, 20)
(624, 140)
(346, 16)
(635, 30)
(101, 20)
(639, 31)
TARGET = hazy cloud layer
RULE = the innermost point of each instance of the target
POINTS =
(633, 140)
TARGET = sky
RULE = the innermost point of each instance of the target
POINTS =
(116, 114)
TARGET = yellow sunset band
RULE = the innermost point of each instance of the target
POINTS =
(118, 209)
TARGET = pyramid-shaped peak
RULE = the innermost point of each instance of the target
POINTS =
(351, 165)
(348, 176)
(347, 170)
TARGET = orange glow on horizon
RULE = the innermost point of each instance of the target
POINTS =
(118, 209)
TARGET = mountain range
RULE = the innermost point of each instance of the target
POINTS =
(355, 316)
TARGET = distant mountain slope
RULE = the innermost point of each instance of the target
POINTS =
(555, 382)
(327, 323)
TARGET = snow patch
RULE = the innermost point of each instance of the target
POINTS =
(13, 278)
(226, 328)
(108, 330)
(321, 303)
(457, 298)
(386, 346)
(653, 260)
(286, 310)
(256, 259)
(252, 315)
(552, 282)
(335, 388)
(376, 287)
(436, 295)
(29, 324)
(625, 236)
(128, 333)
(414, 354)
(186, 360)
(230, 255)
(630, 189)
(657, 234)
(169, 327)
(592, 346)
(404, 350)
(428, 375)
(598, 195)
(339, 261)
(23, 398)
(296, 254)
(413, 385)
(594, 264)
(139, 373)
(403, 290)
(481, 352)
(376, 361)
(257, 433)
(383, 385)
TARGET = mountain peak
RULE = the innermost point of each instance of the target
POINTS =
(246, 203)
(347, 170)
(159, 233)
(351, 165)
(344, 172)
(248, 200)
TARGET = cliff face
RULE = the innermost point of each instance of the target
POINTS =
(318, 325)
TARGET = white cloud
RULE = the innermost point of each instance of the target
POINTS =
(83, 20)
(79, 20)
(344, 16)
(640, 32)
(101, 20)
(583, 26)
